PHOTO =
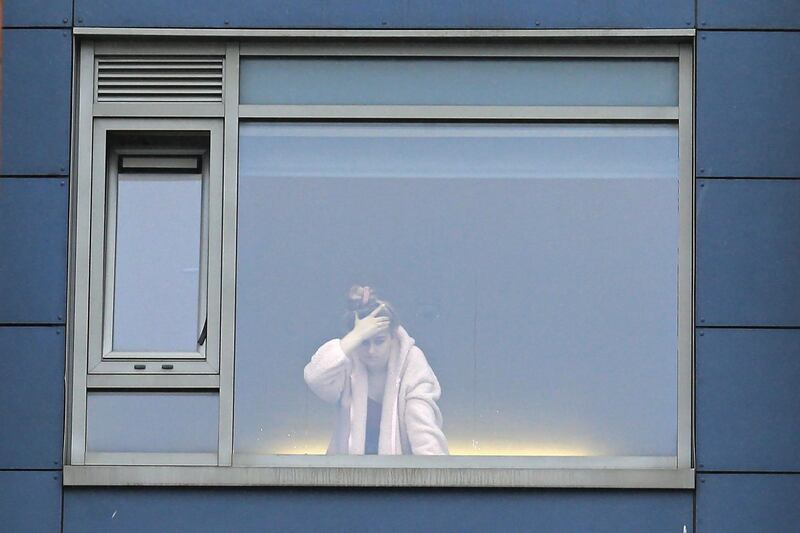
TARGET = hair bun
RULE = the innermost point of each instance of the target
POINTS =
(360, 297)
(363, 300)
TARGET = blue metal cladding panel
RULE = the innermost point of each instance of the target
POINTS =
(30, 501)
(33, 250)
(388, 14)
(748, 100)
(36, 102)
(37, 13)
(748, 264)
(31, 397)
(749, 14)
(746, 503)
(385, 510)
(748, 400)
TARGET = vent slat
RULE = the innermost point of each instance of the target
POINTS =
(151, 98)
(160, 75)
(164, 78)
(157, 90)
(135, 68)
(163, 83)
(160, 59)
(157, 74)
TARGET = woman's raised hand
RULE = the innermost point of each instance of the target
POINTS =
(369, 326)
(364, 329)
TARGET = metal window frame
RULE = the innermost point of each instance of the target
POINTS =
(101, 358)
(107, 353)
(618, 472)
(470, 49)
(88, 231)
(154, 458)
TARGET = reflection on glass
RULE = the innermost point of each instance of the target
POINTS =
(536, 264)
(152, 422)
(459, 81)
(381, 383)
(157, 274)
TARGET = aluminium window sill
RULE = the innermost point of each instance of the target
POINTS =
(315, 476)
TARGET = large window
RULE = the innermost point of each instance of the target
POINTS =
(469, 259)
(542, 308)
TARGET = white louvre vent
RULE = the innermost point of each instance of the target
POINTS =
(159, 79)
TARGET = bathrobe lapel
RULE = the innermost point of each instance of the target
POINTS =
(389, 442)
(358, 409)
(389, 438)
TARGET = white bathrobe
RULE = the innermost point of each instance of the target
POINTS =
(411, 422)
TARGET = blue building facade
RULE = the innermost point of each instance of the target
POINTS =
(747, 284)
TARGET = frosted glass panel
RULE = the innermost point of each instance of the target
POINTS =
(157, 276)
(534, 265)
(152, 422)
(519, 82)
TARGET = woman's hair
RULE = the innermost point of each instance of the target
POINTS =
(363, 300)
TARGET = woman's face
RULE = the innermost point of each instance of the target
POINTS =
(376, 350)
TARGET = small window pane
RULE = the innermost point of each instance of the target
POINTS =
(495, 82)
(535, 265)
(158, 251)
(147, 422)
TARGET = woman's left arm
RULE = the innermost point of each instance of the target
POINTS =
(423, 419)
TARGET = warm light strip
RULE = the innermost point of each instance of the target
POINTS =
(462, 448)
(518, 449)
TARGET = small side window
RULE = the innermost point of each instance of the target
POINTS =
(156, 256)
(151, 240)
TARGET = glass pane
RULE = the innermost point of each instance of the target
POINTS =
(460, 81)
(152, 422)
(535, 266)
(157, 276)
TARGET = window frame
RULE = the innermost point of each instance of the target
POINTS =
(99, 358)
(226, 117)
(102, 359)
(195, 458)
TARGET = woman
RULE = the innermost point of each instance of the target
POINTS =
(385, 390)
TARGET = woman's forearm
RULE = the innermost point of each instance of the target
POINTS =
(349, 343)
